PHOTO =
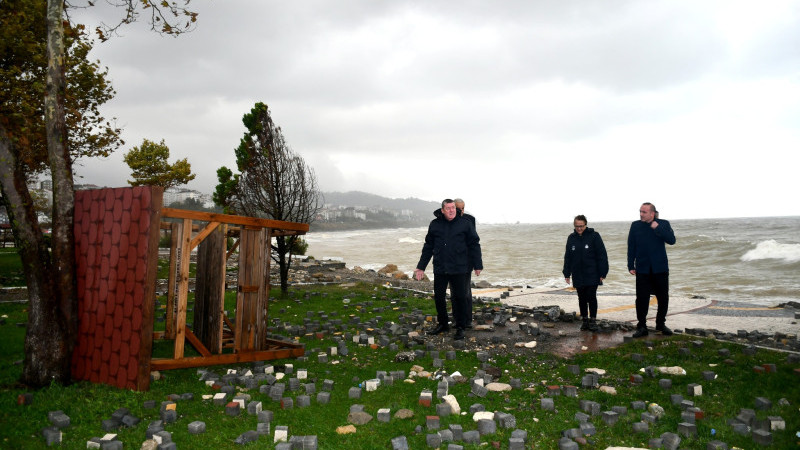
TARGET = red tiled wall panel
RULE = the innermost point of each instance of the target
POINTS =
(112, 244)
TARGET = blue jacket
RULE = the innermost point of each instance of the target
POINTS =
(454, 246)
(585, 259)
(646, 250)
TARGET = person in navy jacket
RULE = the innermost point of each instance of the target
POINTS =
(586, 262)
(647, 260)
(455, 247)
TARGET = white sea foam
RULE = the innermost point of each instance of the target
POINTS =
(409, 240)
(771, 249)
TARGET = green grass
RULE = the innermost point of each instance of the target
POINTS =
(11, 274)
(736, 387)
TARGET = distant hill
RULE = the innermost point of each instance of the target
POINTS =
(421, 208)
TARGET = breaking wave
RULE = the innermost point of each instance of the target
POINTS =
(771, 249)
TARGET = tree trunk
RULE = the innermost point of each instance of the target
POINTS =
(47, 354)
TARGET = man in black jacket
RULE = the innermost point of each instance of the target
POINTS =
(460, 205)
(455, 247)
(647, 259)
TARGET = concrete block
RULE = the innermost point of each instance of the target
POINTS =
(400, 443)
(763, 403)
(433, 440)
(197, 427)
(52, 435)
(486, 426)
(254, 407)
(665, 383)
(443, 409)
(762, 437)
(247, 437)
(303, 401)
(457, 430)
(716, 445)
(472, 437)
(354, 392)
(687, 429)
(281, 434)
(640, 427)
(262, 428)
(548, 404)
(570, 391)
(610, 417)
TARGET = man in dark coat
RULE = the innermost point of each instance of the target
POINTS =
(647, 259)
(455, 247)
(460, 205)
(586, 262)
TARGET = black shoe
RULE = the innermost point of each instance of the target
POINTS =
(469, 326)
(439, 329)
(585, 325)
(664, 330)
(640, 332)
(593, 326)
(459, 334)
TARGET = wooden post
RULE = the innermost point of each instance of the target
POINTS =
(183, 287)
(172, 279)
(209, 296)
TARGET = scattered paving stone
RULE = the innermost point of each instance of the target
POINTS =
(400, 443)
(359, 418)
(197, 427)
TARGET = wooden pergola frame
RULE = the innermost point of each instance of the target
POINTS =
(244, 336)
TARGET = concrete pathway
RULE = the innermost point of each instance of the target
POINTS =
(683, 312)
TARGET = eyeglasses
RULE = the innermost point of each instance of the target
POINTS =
(580, 226)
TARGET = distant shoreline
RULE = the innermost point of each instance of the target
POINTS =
(328, 226)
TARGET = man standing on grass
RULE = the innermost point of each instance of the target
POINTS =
(455, 247)
(647, 259)
(460, 205)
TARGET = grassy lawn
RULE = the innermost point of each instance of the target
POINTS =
(11, 274)
(736, 386)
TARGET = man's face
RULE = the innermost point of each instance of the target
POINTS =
(449, 211)
(646, 213)
(580, 226)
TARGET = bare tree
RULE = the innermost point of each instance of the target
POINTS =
(274, 183)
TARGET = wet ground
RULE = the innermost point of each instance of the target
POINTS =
(563, 339)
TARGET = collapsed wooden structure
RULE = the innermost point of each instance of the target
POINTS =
(116, 240)
(212, 331)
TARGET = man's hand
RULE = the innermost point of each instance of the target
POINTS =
(567, 280)
(477, 272)
(419, 274)
(632, 271)
(654, 224)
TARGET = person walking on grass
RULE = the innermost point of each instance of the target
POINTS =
(454, 246)
(647, 260)
(586, 262)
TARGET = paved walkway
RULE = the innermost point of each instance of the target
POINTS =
(683, 312)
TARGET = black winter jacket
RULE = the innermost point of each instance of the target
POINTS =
(454, 246)
(585, 259)
(646, 250)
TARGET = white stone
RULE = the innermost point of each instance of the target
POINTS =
(269, 369)
(302, 374)
(480, 415)
(600, 372)
(279, 375)
(608, 390)
(281, 436)
(210, 382)
(451, 400)
(372, 385)
(498, 387)
(673, 370)
(208, 396)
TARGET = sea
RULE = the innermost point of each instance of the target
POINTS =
(751, 260)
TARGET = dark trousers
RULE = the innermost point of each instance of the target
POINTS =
(587, 301)
(457, 282)
(469, 298)
(647, 284)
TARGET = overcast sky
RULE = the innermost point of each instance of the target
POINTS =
(532, 111)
